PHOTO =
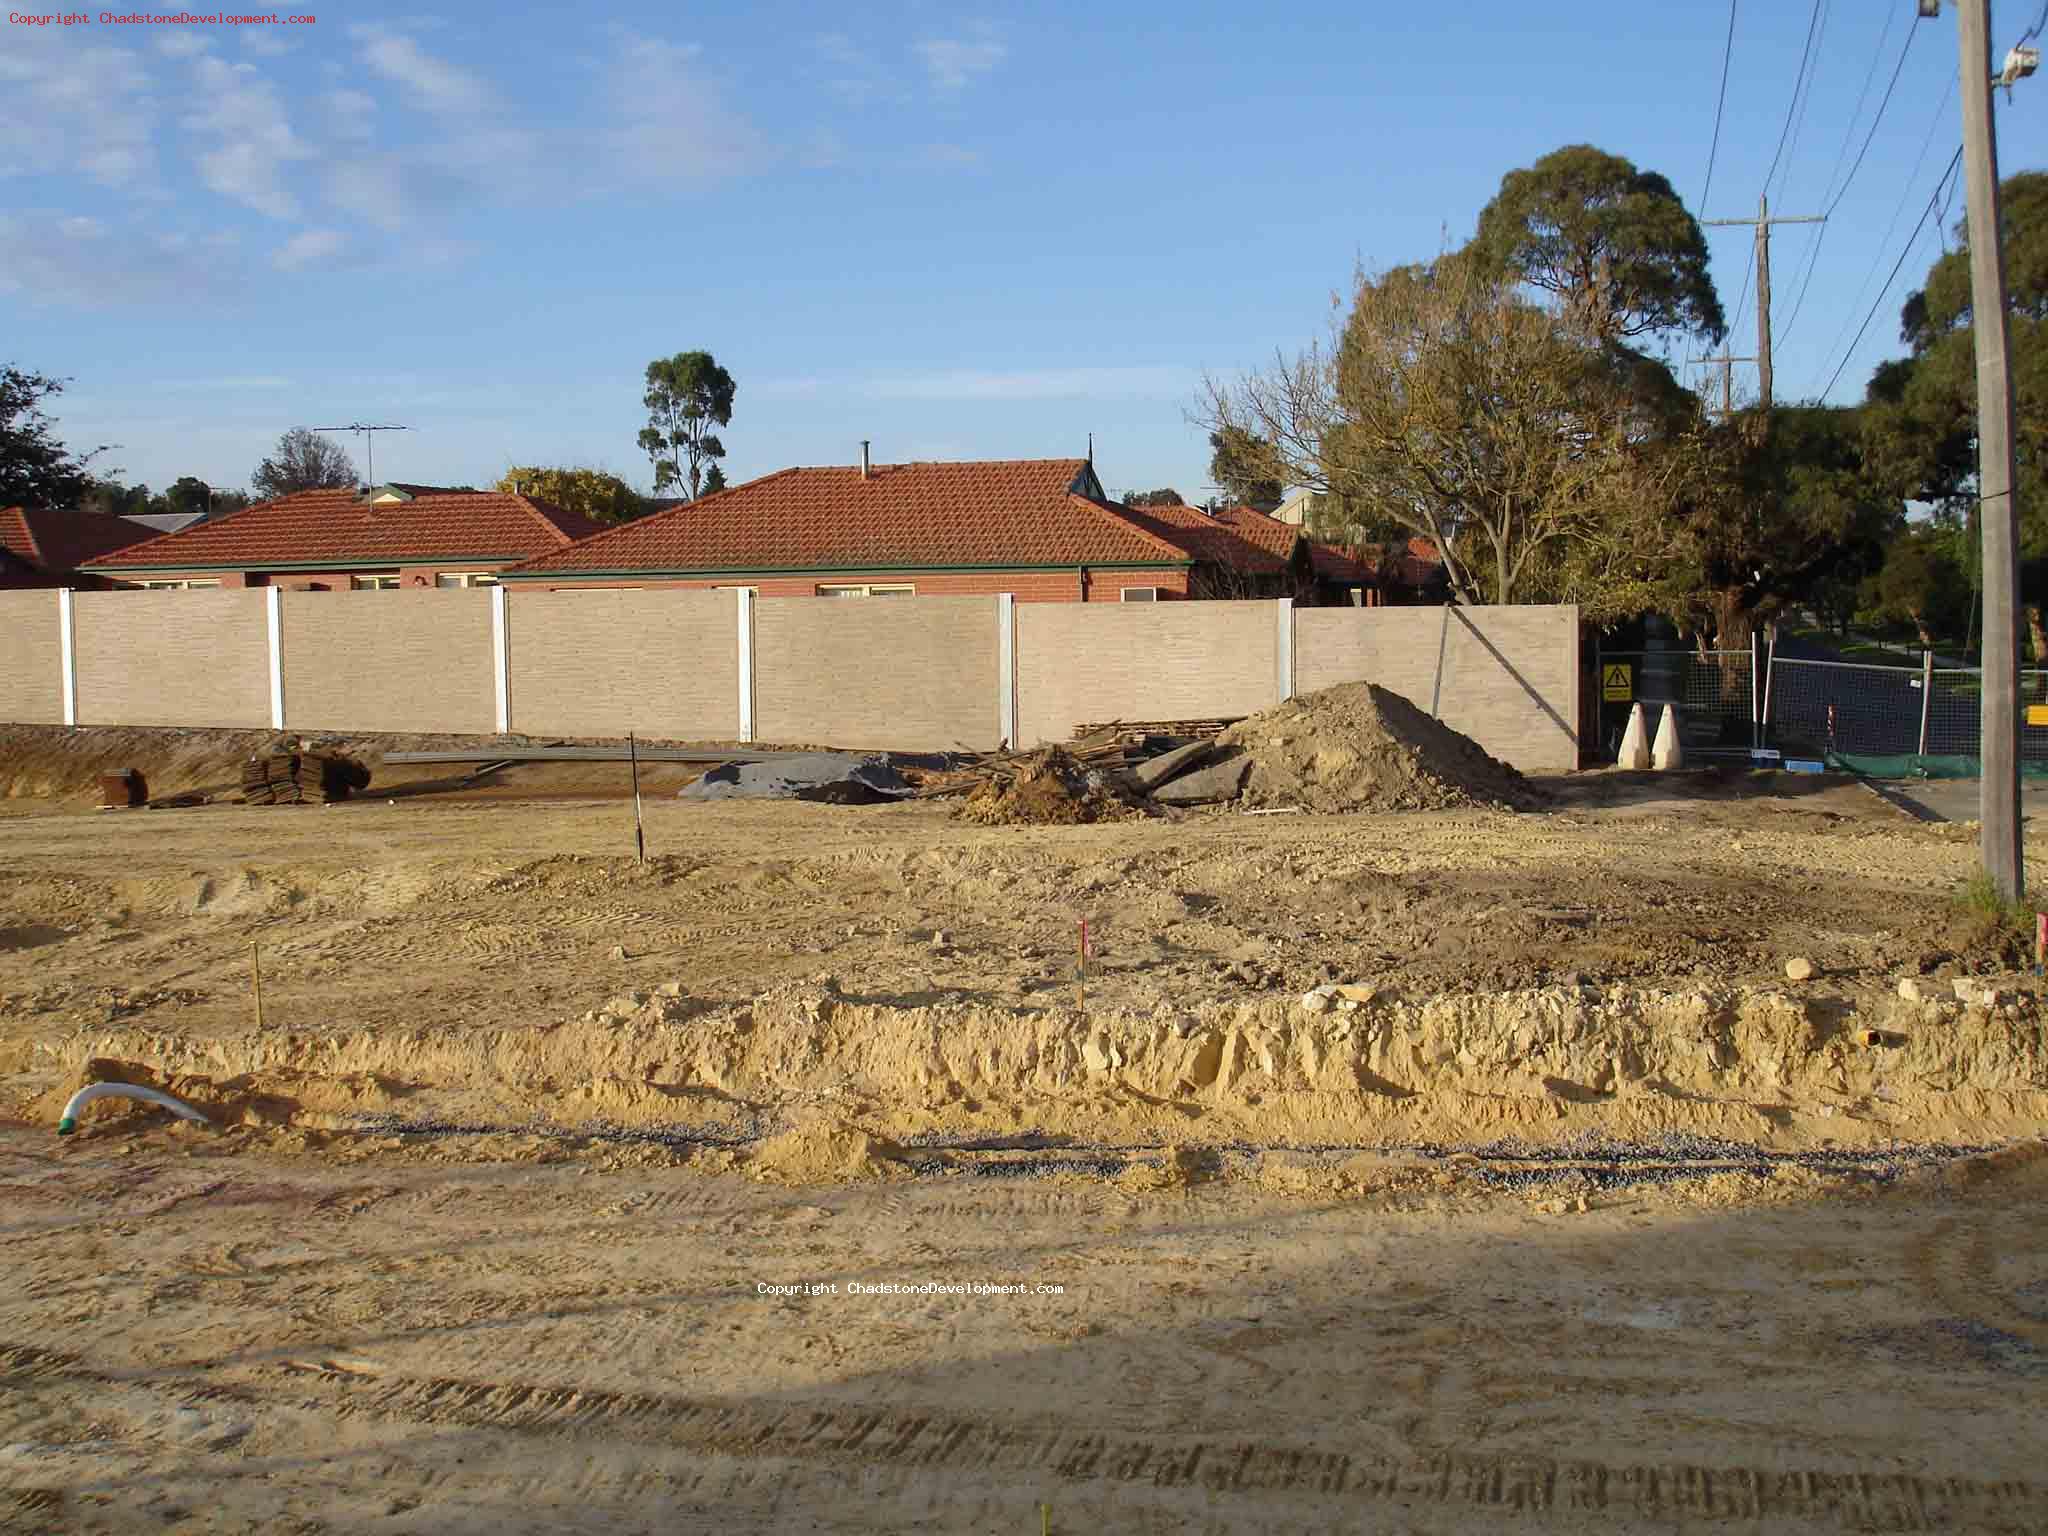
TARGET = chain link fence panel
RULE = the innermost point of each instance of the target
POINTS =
(1818, 708)
(1714, 693)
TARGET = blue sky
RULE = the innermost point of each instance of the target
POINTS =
(957, 232)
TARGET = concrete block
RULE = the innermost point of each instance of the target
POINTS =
(1218, 780)
(1155, 771)
(1667, 753)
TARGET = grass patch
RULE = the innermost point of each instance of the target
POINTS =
(1987, 922)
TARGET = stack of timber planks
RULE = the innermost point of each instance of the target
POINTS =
(301, 778)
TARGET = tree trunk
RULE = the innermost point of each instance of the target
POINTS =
(1734, 623)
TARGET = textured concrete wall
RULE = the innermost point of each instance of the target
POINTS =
(1025, 586)
(917, 673)
(173, 658)
(1510, 676)
(605, 663)
(31, 659)
(1149, 661)
(389, 661)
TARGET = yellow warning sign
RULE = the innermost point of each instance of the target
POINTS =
(1617, 682)
(2037, 714)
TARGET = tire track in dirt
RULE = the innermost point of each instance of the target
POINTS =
(902, 1438)
(933, 1441)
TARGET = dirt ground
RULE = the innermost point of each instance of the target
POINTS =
(1573, 1212)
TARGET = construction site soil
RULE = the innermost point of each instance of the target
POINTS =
(539, 1198)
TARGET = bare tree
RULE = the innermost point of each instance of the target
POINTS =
(303, 461)
(1448, 405)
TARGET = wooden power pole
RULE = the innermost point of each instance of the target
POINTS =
(1763, 222)
(1998, 510)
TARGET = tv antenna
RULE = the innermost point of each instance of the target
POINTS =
(368, 430)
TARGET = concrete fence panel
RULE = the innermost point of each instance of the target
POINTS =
(602, 663)
(912, 672)
(1506, 677)
(31, 659)
(388, 661)
(173, 658)
(1142, 661)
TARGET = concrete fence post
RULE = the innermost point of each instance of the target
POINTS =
(745, 596)
(1283, 612)
(501, 661)
(273, 618)
(1006, 668)
(67, 652)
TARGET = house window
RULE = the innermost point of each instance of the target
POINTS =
(179, 586)
(466, 579)
(1140, 594)
(381, 581)
(870, 589)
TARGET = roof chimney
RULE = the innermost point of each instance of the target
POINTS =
(863, 458)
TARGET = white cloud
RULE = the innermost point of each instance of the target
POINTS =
(669, 122)
(84, 109)
(434, 84)
(182, 45)
(73, 261)
(1141, 382)
(372, 189)
(264, 43)
(850, 71)
(954, 63)
(250, 139)
(312, 248)
(351, 115)
(230, 384)
(1033, 384)
(944, 157)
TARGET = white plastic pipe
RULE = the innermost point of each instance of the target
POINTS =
(69, 1121)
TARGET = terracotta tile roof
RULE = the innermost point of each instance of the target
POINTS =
(1334, 564)
(63, 541)
(315, 528)
(1210, 540)
(1269, 533)
(1026, 513)
(1415, 563)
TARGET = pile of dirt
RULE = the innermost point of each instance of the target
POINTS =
(1049, 788)
(825, 1150)
(1359, 747)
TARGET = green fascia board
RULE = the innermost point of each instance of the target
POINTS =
(264, 567)
(883, 569)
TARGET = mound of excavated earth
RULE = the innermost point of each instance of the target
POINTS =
(1049, 788)
(1358, 747)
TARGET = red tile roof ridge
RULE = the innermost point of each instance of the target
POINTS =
(1121, 517)
(212, 522)
(559, 527)
(609, 534)
(34, 553)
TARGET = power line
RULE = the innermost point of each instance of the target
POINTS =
(1911, 240)
(1891, 15)
(1720, 106)
(1806, 102)
(1911, 33)
(1798, 81)
(1821, 234)
(1905, 194)
(1791, 109)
